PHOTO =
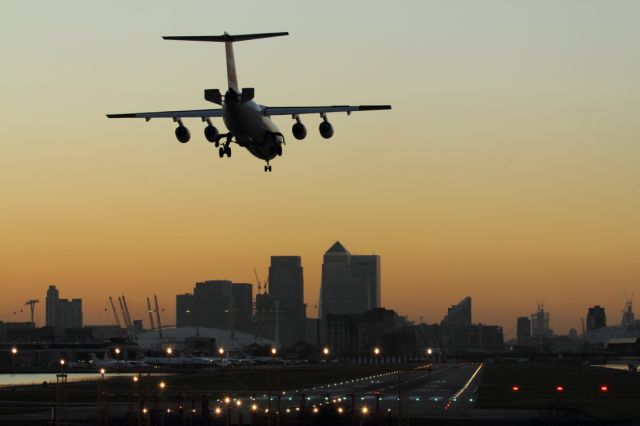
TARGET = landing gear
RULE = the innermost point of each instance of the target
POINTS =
(279, 150)
(267, 168)
(225, 149)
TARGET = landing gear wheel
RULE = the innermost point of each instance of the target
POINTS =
(267, 168)
(221, 152)
(227, 150)
(279, 150)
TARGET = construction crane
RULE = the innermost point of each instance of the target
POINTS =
(115, 313)
(158, 316)
(261, 284)
(32, 304)
(124, 315)
(150, 314)
(126, 310)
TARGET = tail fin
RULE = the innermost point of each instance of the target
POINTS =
(228, 40)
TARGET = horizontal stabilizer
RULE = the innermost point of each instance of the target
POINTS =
(226, 37)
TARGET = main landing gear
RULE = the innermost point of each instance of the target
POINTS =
(226, 148)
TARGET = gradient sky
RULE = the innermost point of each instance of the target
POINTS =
(508, 169)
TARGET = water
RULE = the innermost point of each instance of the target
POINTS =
(39, 378)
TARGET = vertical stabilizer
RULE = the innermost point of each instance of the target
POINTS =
(228, 39)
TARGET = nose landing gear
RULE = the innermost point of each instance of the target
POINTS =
(267, 168)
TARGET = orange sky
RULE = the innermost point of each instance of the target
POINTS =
(507, 170)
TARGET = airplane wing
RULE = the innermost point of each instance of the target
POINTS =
(199, 113)
(322, 109)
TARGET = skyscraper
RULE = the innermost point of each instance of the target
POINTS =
(242, 305)
(62, 312)
(212, 301)
(216, 304)
(51, 304)
(524, 330)
(350, 284)
(596, 318)
(286, 283)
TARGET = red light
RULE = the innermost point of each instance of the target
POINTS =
(560, 388)
(604, 388)
(515, 388)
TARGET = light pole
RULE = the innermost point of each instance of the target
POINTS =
(221, 352)
(14, 354)
(169, 354)
(162, 385)
(376, 354)
(325, 353)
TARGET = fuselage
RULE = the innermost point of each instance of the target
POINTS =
(252, 129)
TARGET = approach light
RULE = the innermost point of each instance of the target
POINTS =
(429, 351)
(238, 403)
(376, 351)
(169, 351)
(221, 351)
(254, 407)
(560, 388)
(325, 351)
(227, 400)
(604, 388)
(274, 351)
(340, 410)
(102, 371)
(218, 410)
(515, 388)
(162, 385)
(14, 350)
(365, 410)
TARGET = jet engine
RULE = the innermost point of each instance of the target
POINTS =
(182, 134)
(326, 129)
(299, 131)
(211, 133)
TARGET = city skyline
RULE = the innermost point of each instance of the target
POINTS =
(170, 312)
(506, 171)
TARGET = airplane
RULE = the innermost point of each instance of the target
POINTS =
(249, 123)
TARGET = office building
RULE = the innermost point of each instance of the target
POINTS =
(524, 330)
(62, 313)
(216, 304)
(350, 284)
(242, 305)
(286, 284)
(596, 318)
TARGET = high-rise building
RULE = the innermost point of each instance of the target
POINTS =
(350, 284)
(458, 315)
(596, 318)
(63, 313)
(51, 305)
(242, 305)
(185, 314)
(216, 304)
(212, 301)
(368, 268)
(286, 284)
(628, 317)
(524, 330)
(540, 323)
